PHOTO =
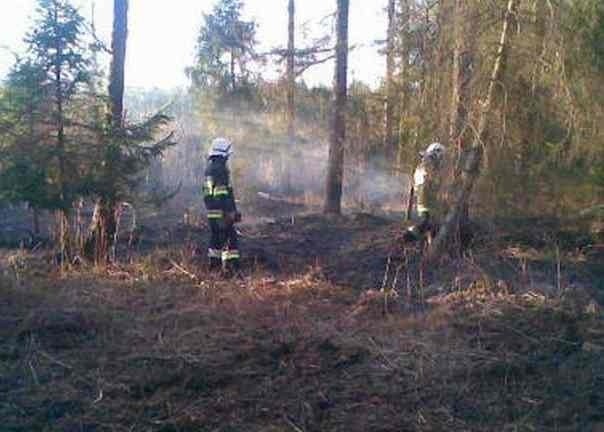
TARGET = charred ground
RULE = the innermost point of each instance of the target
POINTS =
(305, 341)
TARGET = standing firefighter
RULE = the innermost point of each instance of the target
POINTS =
(220, 204)
(426, 184)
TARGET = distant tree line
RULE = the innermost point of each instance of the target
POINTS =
(514, 89)
(543, 147)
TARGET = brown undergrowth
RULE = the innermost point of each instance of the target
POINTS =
(161, 345)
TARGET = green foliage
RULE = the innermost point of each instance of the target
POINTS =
(588, 19)
(57, 48)
(24, 159)
(544, 153)
(42, 163)
(56, 143)
(128, 153)
(225, 47)
(596, 174)
(23, 181)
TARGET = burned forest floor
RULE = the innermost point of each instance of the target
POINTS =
(332, 326)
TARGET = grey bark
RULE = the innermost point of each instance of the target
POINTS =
(232, 69)
(104, 224)
(404, 70)
(471, 165)
(291, 93)
(118, 61)
(389, 143)
(335, 170)
(404, 134)
(463, 62)
(464, 24)
(63, 213)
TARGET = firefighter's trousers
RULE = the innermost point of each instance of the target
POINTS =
(423, 225)
(224, 244)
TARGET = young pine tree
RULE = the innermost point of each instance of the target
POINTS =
(225, 47)
(58, 57)
(126, 150)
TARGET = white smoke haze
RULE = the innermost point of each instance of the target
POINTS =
(262, 160)
(262, 152)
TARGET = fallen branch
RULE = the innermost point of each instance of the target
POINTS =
(54, 360)
(184, 271)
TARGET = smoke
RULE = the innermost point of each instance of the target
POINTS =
(265, 162)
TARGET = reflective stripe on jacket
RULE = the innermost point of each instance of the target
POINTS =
(217, 191)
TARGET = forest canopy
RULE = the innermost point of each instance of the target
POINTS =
(545, 145)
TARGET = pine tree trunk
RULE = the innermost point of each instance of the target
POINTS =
(118, 61)
(63, 213)
(102, 229)
(233, 83)
(404, 71)
(438, 106)
(103, 226)
(291, 95)
(63, 237)
(389, 144)
(335, 169)
(403, 133)
(463, 63)
(541, 33)
(470, 171)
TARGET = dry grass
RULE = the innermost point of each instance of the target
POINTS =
(489, 342)
(160, 345)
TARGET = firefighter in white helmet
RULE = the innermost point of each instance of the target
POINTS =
(426, 185)
(219, 199)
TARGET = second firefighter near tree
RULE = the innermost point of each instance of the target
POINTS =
(219, 199)
(426, 208)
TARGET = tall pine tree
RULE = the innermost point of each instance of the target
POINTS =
(225, 47)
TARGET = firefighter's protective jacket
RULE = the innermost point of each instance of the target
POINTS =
(426, 184)
(217, 190)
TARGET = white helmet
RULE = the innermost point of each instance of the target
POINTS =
(435, 151)
(221, 147)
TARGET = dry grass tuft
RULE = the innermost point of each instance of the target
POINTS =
(161, 344)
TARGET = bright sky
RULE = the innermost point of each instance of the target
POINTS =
(163, 34)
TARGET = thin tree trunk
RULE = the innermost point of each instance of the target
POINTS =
(118, 61)
(63, 213)
(389, 144)
(233, 83)
(116, 95)
(404, 70)
(463, 62)
(471, 166)
(541, 33)
(404, 135)
(32, 137)
(60, 116)
(440, 64)
(63, 228)
(291, 94)
(103, 226)
(423, 91)
(335, 170)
